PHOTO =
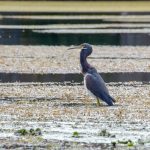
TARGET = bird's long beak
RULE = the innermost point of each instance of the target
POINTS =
(76, 47)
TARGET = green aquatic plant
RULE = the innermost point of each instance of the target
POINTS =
(122, 142)
(35, 132)
(129, 143)
(22, 132)
(38, 131)
(75, 134)
(32, 132)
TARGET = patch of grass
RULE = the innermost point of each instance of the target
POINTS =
(64, 6)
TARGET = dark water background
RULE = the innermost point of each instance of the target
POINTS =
(28, 37)
(73, 77)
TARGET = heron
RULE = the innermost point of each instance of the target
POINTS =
(93, 82)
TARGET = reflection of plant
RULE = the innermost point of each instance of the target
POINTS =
(33, 132)
(75, 134)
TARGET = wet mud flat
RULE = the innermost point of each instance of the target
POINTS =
(68, 118)
(57, 59)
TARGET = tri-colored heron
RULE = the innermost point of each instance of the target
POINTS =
(92, 79)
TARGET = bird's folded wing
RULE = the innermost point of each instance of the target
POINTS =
(96, 85)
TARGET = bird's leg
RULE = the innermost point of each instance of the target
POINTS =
(98, 102)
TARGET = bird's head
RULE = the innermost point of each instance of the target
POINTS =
(85, 48)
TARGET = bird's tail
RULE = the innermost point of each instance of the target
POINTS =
(108, 99)
(112, 99)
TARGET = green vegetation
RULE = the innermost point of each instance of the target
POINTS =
(60, 6)
(129, 143)
(75, 134)
(33, 132)
(104, 132)
(22, 132)
(122, 142)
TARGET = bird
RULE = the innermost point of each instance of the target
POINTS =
(93, 81)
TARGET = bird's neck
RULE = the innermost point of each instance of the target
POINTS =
(84, 64)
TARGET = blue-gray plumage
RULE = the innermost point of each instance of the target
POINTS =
(92, 79)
